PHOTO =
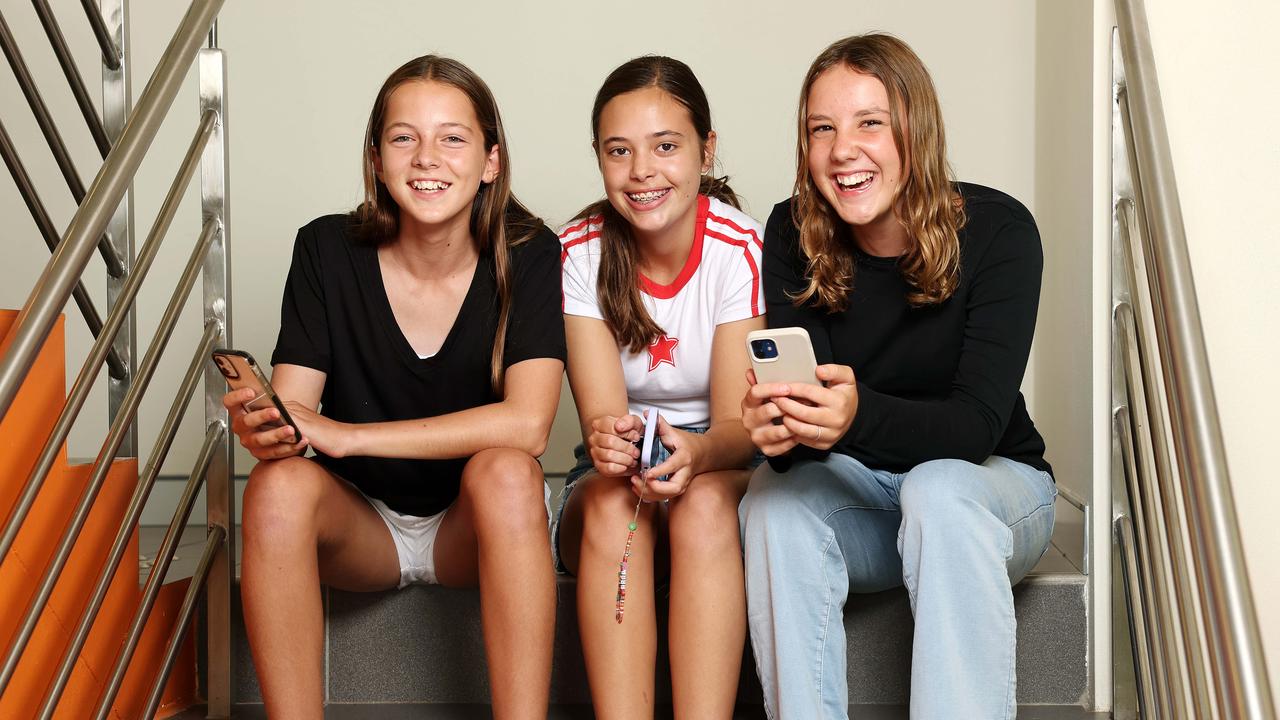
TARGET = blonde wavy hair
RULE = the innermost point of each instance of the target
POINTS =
(928, 206)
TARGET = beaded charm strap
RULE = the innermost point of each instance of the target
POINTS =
(647, 458)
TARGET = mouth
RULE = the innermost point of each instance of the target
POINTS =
(429, 186)
(855, 182)
(647, 198)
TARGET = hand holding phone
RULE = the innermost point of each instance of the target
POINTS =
(241, 371)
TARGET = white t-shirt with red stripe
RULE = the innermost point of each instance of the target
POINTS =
(720, 283)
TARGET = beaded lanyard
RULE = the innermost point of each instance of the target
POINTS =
(646, 461)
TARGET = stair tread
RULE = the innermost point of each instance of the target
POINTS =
(444, 711)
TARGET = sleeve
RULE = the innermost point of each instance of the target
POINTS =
(1000, 320)
(744, 292)
(536, 325)
(579, 285)
(784, 277)
(304, 323)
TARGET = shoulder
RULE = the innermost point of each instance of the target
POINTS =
(780, 218)
(996, 224)
(328, 232)
(577, 236)
(542, 242)
(726, 222)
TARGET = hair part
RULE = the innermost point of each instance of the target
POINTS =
(928, 206)
(498, 220)
(618, 287)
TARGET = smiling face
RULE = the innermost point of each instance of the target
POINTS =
(853, 158)
(651, 160)
(432, 157)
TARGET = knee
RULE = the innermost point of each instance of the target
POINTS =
(705, 517)
(505, 486)
(283, 497)
(940, 492)
(772, 500)
(608, 504)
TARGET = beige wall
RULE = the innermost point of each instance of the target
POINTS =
(1217, 69)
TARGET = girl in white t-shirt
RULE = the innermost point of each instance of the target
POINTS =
(661, 286)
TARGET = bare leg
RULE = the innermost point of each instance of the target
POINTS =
(495, 536)
(708, 597)
(303, 526)
(620, 657)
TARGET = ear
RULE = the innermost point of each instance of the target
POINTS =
(709, 152)
(376, 157)
(492, 166)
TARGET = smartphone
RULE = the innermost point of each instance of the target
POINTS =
(241, 371)
(783, 355)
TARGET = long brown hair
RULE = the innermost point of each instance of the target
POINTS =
(928, 207)
(498, 220)
(618, 287)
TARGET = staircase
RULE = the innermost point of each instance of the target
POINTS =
(23, 432)
(419, 653)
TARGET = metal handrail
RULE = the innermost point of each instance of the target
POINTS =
(89, 371)
(1138, 634)
(119, 426)
(1242, 687)
(146, 481)
(111, 55)
(1167, 693)
(59, 43)
(161, 566)
(60, 275)
(212, 546)
(115, 267)
(44, 224)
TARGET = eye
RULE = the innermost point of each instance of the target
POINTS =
(617, 152)
(400, 139)
(872, 123)
(820, 129)
(454, 139)
(666, 147)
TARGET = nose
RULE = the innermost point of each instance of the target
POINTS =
(846, 147)
(424, 156)
(641, 167)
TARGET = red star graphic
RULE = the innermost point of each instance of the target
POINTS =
(662, 350)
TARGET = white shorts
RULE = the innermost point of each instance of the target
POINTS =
(415, 539)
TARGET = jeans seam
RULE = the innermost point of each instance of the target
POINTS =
(1034, 510)
(829, 515)
(826, 612)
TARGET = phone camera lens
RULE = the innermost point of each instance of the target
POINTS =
(764, 349)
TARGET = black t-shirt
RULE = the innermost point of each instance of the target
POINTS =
(939, 381)
(336, 318)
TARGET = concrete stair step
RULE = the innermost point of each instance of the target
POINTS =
(443, 711)
(423, 645)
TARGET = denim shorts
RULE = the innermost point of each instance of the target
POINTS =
(583, 466)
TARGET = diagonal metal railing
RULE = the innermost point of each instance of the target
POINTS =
(1194, 627)
(104, 209)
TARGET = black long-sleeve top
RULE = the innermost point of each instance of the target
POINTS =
(938, 381)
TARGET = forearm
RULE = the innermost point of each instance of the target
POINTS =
(725, 445)
(459, 434)
(902, 433)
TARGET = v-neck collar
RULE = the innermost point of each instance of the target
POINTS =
(373, 276)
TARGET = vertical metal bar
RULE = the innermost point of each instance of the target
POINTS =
(117, 99)
(111, 54)
(220, 498)
(50, 23)
(52, 137)
(212, 548)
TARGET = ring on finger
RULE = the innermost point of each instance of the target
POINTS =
(818, 437)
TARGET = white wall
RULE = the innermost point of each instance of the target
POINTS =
(302, 76)
(1217, 71)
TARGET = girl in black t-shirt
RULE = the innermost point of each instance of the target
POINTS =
(917, 463)
(420, 354)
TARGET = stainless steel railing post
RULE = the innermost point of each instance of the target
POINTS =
(117, 94)
(220, 498)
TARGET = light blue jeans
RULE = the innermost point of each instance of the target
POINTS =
(956, 534)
